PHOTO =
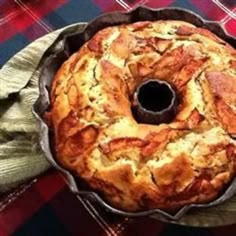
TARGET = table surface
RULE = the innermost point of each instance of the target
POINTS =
(45, 206)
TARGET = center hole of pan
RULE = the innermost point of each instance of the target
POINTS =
(155, 96)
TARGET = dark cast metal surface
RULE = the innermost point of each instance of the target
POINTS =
(69, 42)
(155, 102)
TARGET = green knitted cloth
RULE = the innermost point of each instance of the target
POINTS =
(20, 154)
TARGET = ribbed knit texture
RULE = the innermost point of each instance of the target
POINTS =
(20, 155)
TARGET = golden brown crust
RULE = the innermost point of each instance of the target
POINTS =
(223, 88)
(138, 166)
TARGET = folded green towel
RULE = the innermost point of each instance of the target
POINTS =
(20, 154)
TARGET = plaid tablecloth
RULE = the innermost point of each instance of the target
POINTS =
(45, 206)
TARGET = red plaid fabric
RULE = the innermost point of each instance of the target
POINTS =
(28, 12)
(45, 206)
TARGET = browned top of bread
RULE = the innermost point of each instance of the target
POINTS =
(138, 166)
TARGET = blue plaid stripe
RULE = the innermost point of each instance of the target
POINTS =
(74, 11)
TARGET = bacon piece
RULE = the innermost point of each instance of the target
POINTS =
(143, 70)
(66, 124)
(80, 142)
(95, 43)
(123, 143)
(112, 76)
(163, 44)
(171, 63)
(233, 64)
(122, 45)
(175, 176)
(231, 152)
(140, 25)
(194, 119)
(157, 140)
(185, 30)
(187, 121)
(223, 86)
(160, 45)
(187, 72)
(226, 115)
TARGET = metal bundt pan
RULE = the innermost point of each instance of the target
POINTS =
(69, 42)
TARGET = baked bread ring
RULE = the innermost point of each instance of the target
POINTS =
(138, 166)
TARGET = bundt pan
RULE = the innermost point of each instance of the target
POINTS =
(69, 42)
